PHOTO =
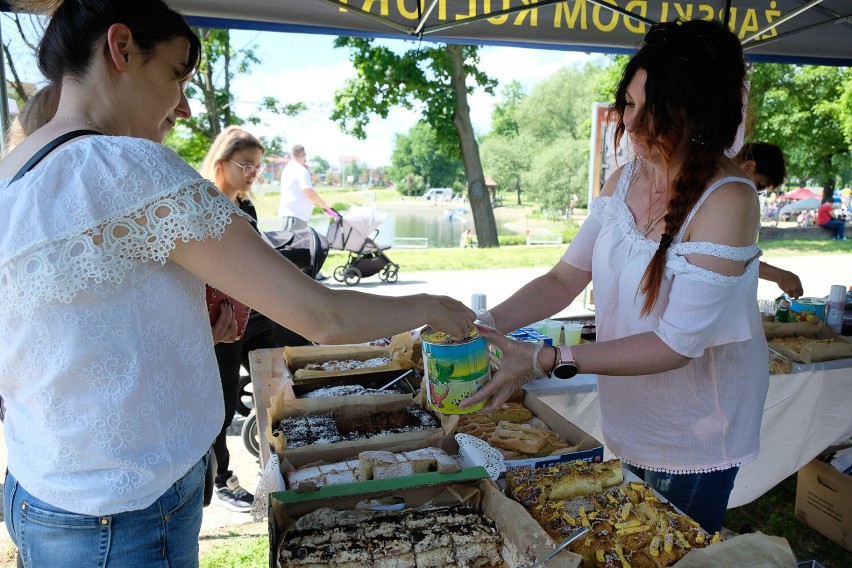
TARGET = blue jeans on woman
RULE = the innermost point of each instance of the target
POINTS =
(836, 225)
(702, 496)
(164, 535)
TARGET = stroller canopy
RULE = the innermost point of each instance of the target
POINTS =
(353, 230)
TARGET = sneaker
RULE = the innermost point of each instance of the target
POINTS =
(320, 277)
(234, 497)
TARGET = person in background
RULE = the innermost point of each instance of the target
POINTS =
(298, 196)
(670, 246)
(765, 165)
(828, 220)
(38, 109)
(107, 367)
(233, 163)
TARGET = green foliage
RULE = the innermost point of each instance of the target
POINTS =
(414, 154)
(504, 120)
(211, 86)
(547, 157)
(609, 78)
(807, 111)
(418, 79)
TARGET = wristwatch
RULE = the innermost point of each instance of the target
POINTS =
(565, 367)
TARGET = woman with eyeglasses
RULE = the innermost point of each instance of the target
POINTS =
(670, 248)
(107, 239)
(233, 163)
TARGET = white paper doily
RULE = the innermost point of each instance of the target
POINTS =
(270, 482)
(473, 452)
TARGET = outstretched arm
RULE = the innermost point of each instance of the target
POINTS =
(242, 265)
(786, 280)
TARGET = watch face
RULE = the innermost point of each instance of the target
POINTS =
(565, 371)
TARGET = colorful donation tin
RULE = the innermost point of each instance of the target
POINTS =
(807, 309)
(454, 370)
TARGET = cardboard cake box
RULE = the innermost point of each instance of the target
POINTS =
(778, 334)
(400, 354)
(344, 407)
(336, 453)
(824, 499)
(583, 446)
(524, 540)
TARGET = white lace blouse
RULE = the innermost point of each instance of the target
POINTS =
(106, 357)
(705, 416)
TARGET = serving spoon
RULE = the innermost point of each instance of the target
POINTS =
(571, 538)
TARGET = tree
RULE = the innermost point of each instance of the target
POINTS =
(211, 86)
(804, 109)
(542, 140)
(414, 153)
(30, 28)
(434, 81)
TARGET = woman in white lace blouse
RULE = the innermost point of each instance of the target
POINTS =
(670, 248)
(106, 359)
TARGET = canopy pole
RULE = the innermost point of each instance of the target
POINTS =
(4, 102)
(781, 20)
(728, 13)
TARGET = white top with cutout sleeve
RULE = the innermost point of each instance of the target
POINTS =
(702, 417)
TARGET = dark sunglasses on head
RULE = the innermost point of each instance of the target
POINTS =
(686, 45)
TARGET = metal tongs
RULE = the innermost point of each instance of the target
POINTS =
(571, 538)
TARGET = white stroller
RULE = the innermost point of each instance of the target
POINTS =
(355, 232)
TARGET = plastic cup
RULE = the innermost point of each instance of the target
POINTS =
(553, 329)
(572, 332)
(478, 302)
(539, 327)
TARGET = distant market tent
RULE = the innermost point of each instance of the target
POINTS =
(800, 193)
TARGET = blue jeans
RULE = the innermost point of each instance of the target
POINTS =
(836, 225)
(702, 496)
(165, 535)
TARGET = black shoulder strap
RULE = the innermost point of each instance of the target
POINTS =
(48, 148)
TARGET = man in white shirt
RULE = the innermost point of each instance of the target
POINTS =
(297, 193)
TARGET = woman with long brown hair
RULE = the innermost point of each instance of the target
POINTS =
(670, 247)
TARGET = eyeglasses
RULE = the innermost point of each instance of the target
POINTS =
(686, 45)
(250, 170)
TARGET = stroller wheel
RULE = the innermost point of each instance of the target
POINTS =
(338, 273)
(393, 276)
(351, 276)
(249, 433)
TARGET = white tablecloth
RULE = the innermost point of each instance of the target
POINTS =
(805, 412)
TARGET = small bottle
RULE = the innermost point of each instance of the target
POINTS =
(836, 306)
(782, 313)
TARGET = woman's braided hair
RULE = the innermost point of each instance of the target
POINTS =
(695, 91)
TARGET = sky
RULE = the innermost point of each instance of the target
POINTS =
(307, 68)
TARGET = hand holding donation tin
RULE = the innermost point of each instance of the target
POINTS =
(516, 369)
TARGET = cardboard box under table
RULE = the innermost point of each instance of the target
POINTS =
(526, 540)
(824, 499)
(583, 446)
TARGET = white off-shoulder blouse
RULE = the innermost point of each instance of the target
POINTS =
(107, 368)
(702, 417)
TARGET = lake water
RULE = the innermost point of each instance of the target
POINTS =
(443, 226)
